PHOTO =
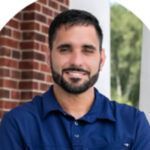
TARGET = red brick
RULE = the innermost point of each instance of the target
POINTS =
(61, 1)
(45, 29)
(63, 8)
(10, 83)
(28, 85)
(49, 79)
(28, 16)
(15, 95)
(18, 16)
(14, 23)
(43, 1)
(49, 21)
(40, 18)
(28, 35)
(16, 34)
(45, 68)
(5, 31)
(8, 62)
(44, 87)
(30, 26)
(33, 7)
(9, 104)
(47, 11)
(33, 75)
(5, 51)
(53, 4)
(34, 36)
(26, 53)
(29, 65)
(46, 40)
(40, 37)
(45, 48)
(4, 93)
(55, 14)
(1, 82)
(29, 45)
(66, 2)
(34, 16)
(15, 74)
(16, 54)
(4, 72)
(28, 95)
(33, 55)
(9, 42)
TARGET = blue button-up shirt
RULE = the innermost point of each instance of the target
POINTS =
(43, 125)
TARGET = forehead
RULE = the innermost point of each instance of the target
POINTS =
(67, 27)
(80, 32)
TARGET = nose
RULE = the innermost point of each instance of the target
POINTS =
(77, 59)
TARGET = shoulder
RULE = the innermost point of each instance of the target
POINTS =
(122, 112)
(126, 113)
(25, 111)
(128, 119)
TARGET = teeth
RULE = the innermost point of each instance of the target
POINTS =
(75, 73)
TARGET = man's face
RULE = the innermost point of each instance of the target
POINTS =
(76, 58)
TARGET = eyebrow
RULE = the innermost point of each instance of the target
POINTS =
(89, 46)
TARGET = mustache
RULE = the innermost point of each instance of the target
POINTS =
(76, 69)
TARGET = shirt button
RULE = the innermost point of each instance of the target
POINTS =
(76, 135)
(76, 123)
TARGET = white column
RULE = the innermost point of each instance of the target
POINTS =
(144, 102)
(101, 9)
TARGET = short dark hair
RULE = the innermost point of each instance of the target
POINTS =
(74, 17)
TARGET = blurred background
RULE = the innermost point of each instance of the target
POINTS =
(24, 67)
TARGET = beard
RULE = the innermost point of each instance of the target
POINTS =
(70, 87)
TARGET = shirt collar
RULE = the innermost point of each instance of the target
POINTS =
(101, 109)
(50, 103)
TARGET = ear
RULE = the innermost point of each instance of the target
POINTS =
(102, 58)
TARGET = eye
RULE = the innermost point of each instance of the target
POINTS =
(89, 49)
(64, 48)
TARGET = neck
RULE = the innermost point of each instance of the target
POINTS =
(76, 105)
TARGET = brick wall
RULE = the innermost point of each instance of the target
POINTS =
(24, 69)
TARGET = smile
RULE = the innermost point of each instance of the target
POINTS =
(76, 74)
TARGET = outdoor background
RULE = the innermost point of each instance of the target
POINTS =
(24, 69)
(126, 37)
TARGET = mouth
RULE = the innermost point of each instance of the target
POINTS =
(75, 73)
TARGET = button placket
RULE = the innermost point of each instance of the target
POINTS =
(76, 123)
(76, 133)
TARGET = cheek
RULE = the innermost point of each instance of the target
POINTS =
(58, 65)
(95, 65)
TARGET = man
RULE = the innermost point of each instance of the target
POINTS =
(72, 114)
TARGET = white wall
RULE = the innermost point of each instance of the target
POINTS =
(145, 72)
(101, 9)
